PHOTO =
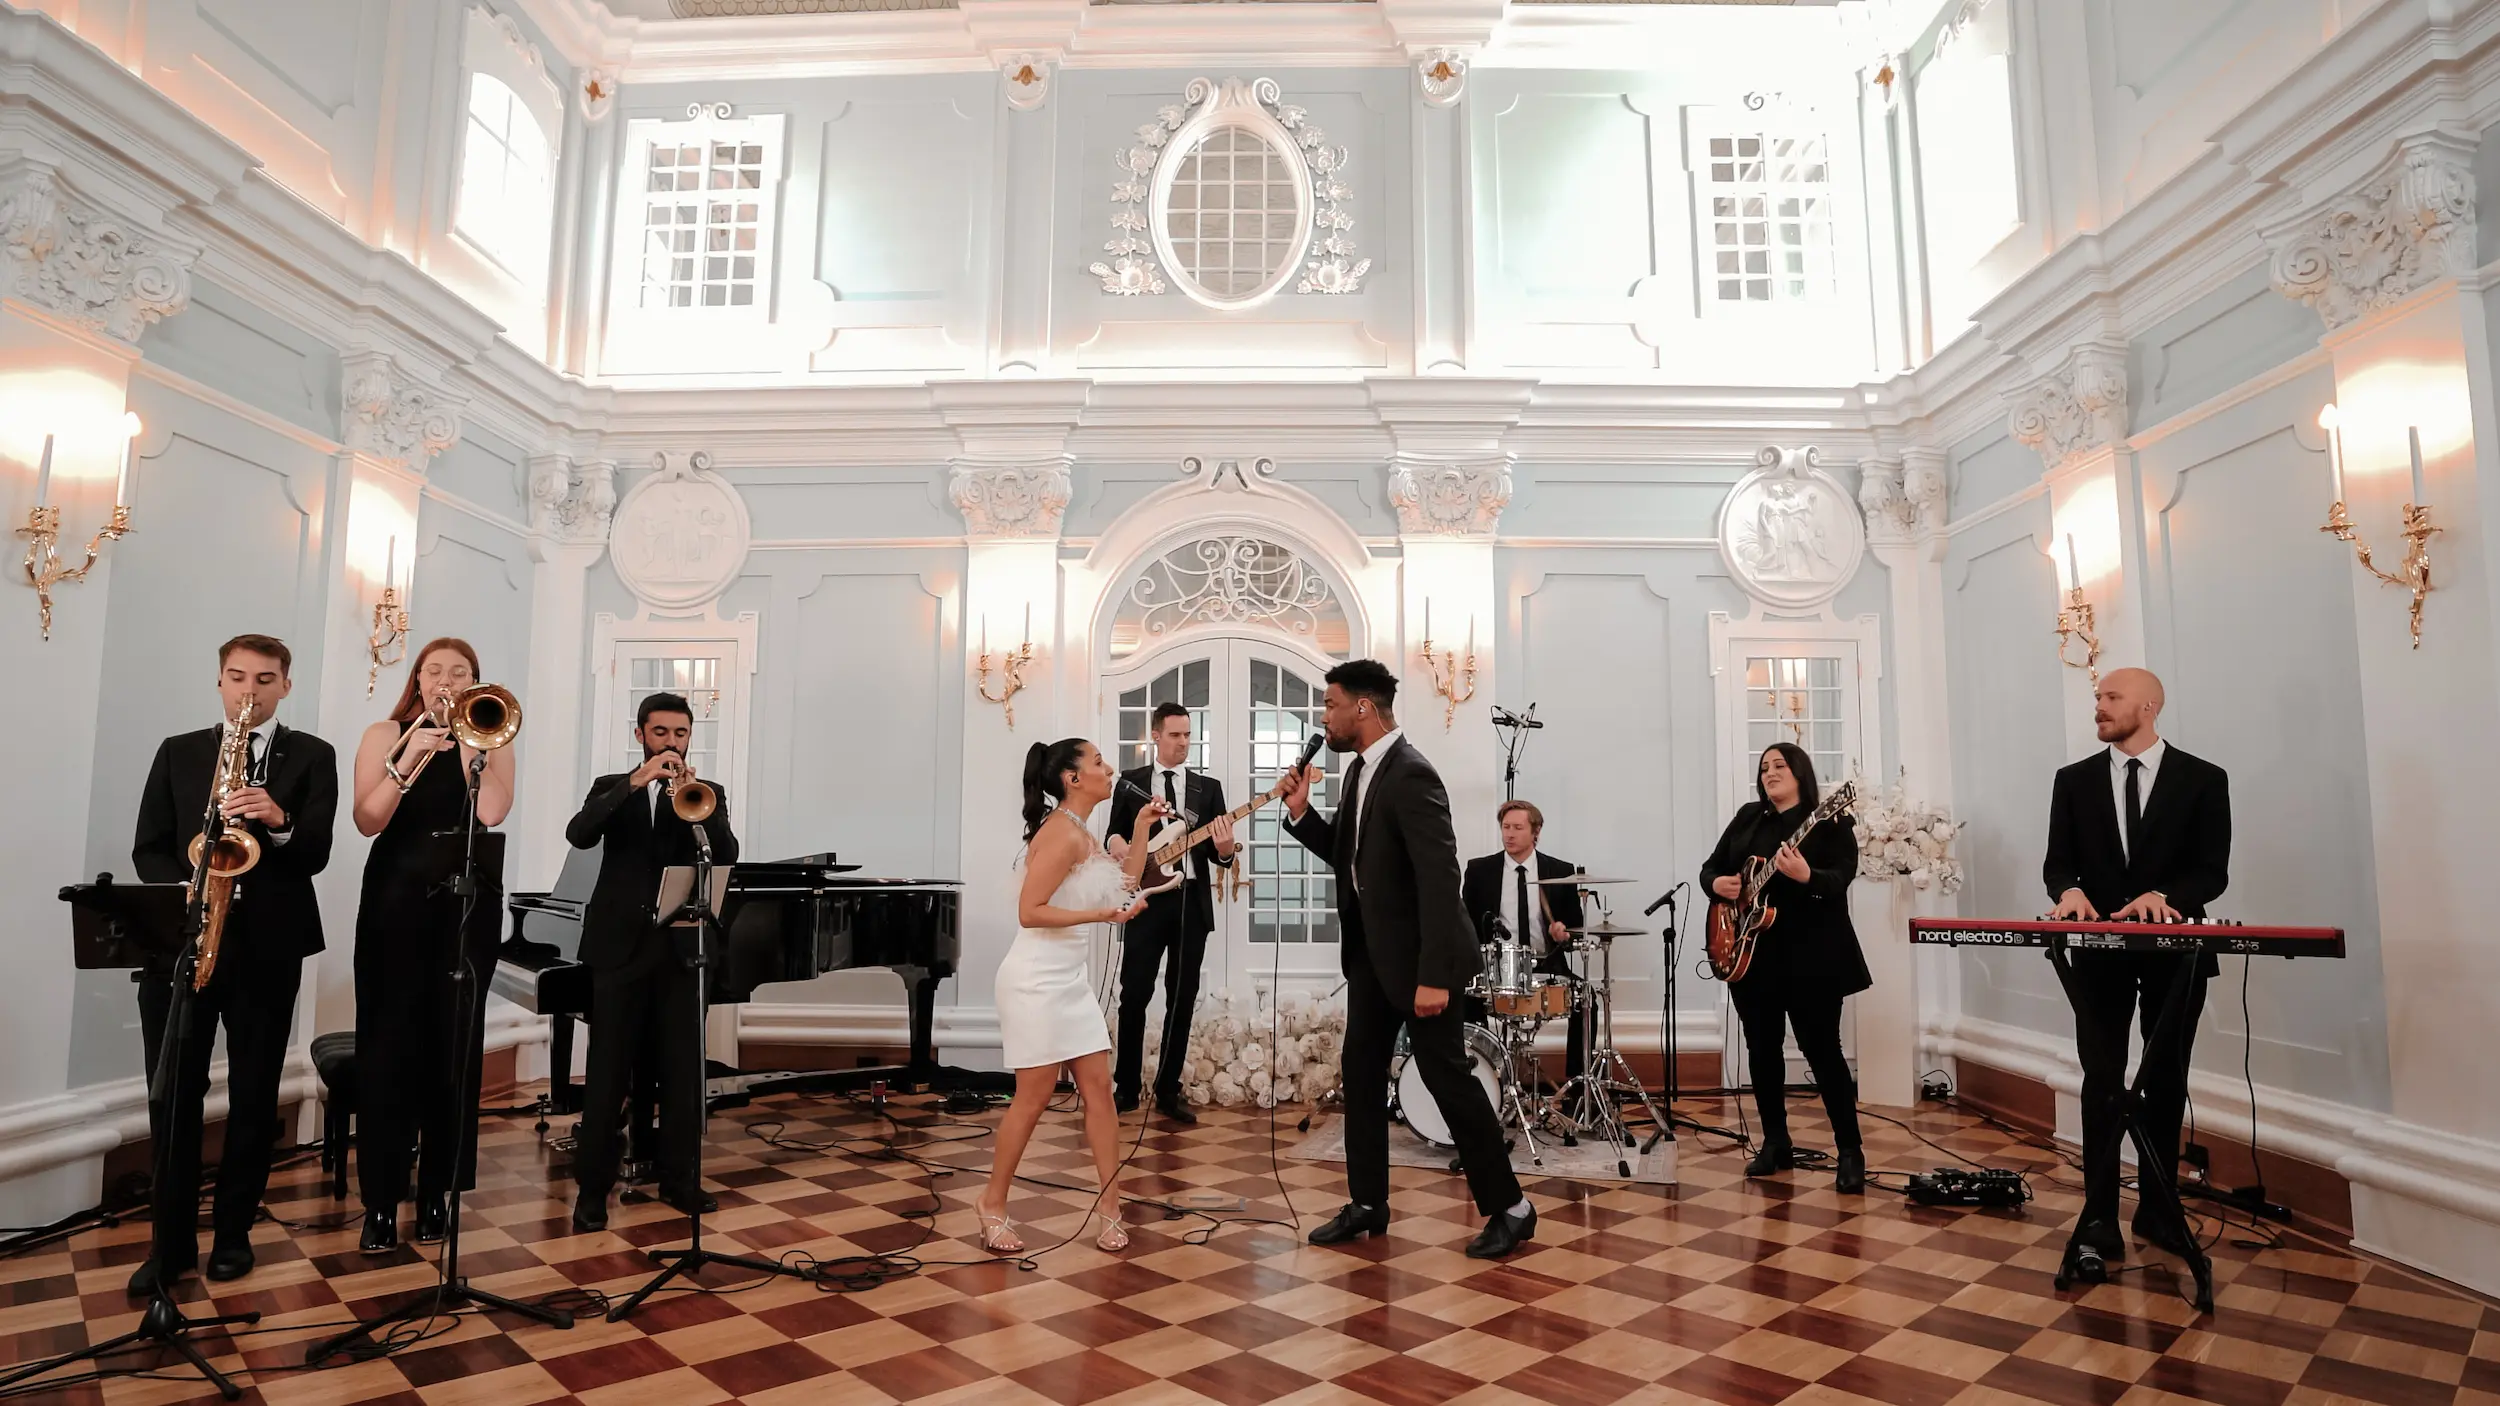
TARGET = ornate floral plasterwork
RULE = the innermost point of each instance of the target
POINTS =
(2408, 226)
(71, 257)
(1788, 533)
(572, 502)
(1329, 263)
(1903, 499)
(1024, 499)
(1228, 475)
(1027, 81)
(390, 417)
(2076, 410)
(1442, 73)
(1231, 581)
(1449, 500)
(681, 534)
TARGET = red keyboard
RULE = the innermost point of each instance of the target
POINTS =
(2195, 935)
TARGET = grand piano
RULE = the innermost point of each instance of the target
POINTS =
(785, 920)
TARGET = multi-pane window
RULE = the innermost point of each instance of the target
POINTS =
(695, 678)
(1188, 686)
(1769, 226)
(1232, 213)
(505, 193)
(704, 208)
(1292, 893)
(1792, 699)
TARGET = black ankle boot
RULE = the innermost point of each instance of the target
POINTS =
(1852, 1171)
(1773, 1157)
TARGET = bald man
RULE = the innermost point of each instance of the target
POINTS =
(2138, 832)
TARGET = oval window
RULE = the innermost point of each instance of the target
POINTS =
(1233, 210)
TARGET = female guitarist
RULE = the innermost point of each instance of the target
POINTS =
(1804, 962)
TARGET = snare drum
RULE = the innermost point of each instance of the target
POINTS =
(1509, 969)
(1545, 998)
(1413, 1104)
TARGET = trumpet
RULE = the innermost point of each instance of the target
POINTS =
(693, 800)
(482, 716)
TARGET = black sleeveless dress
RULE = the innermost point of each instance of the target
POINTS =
(415, 1107)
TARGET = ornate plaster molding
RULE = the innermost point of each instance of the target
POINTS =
(1442, 74)
(1021, 499)
(2075, 410)
(681, 534)
(572, 503)
(1787, 533)
(1026, 80)
(1442, 499)
(2408, 226)
(74, 258)
(734, 9)
(1904, 499)
(388, 415)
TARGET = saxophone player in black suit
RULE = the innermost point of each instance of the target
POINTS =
(642, 992)
(289, 806)
(1510, 886)
(1171, 935)
(2138, 832)
(1408, 948)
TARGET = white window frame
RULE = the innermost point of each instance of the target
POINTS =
(677, 334)
(1973, 23)
(614, 643)
(1768, 121)
(1255, 119)
(493, 46)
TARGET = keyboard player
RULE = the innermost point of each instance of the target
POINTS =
(2139, 831)
(641, 988)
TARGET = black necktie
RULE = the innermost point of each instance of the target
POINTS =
(1173, 801)
(1352, 810)
(1527, 915)
(257, 769)
(2135, 804)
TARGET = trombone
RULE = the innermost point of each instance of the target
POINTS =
(483, 716)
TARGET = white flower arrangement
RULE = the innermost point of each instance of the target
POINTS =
(1902, 838)
(1229, 1063)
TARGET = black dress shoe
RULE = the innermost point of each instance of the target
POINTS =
(1502, 1234)
(2104, 1239)
(1178, 1110)
(1353, 1223)
(1774, 1157)
(381, 1233)
(148, 1275)
(590, 1214)
(1124, 1103)
(229, 1262)
(2161, 1236)
(692, 1201)
(1852, 1171)
(433, 1220)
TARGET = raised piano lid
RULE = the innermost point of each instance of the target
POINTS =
(547, 927)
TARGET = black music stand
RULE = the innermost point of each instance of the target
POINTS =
(111, 922)
(2156, 1186)
(467, 858)
(691, 898)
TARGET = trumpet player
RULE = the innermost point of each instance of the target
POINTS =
(642, 994)
(412, 771)
(285, 807)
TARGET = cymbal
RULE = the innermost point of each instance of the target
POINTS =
(1608, 929)
(1577, 879)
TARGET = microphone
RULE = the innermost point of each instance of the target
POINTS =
(1504, 717)
(1310, 749)
(1663, 900)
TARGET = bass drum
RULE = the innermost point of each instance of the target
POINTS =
(1413, 1104)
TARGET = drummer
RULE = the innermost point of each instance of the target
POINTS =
(1517, 887)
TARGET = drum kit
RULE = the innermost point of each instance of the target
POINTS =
(1519, 1000)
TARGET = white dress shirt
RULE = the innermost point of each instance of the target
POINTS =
(256, 769)
(1179, 776)
(2151, 757)
(1529, 927)
(1363, 787)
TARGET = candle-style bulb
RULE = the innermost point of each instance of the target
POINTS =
(2074, 569)
(390, 565)
(2413, 439)
(43, 474)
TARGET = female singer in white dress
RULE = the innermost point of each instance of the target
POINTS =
(1048, 1015)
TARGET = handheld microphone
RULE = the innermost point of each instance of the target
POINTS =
(1310, 749)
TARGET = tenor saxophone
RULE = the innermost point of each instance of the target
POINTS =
(231, 850)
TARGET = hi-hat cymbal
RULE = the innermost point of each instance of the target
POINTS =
(1578, 879)
(1609, 929)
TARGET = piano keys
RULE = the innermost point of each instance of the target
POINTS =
(783, 920)
(2220, 936)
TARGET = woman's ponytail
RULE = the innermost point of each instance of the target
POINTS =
(1046, 765)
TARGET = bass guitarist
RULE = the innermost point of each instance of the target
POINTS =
(1172, 933)
(1804, 963)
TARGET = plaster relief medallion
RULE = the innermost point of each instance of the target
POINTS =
(1789, 533)
(680, 537)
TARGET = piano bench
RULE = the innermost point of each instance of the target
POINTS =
(334, 1059)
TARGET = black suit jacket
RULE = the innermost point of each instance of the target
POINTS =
(1489, 874)
(1810, 945)
(637, 846)
(275, 913)
(1398, 891)
(1193, 903)
(2184, 853)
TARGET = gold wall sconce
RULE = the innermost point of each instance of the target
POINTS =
(387, 642)
(43, 528)
(2075, 622)
(1452, 678)
(1011, 667)
(2414, 524)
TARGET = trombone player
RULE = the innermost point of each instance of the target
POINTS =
(642, 994)
(286, 807)
(415, 1108)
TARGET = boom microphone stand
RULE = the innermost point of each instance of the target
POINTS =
(1518, 725)
(691, 1260)
(452, 1293)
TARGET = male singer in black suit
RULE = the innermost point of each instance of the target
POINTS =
(1408, 945)
(1506, 886)
(1172, 932)
(274, 923)
(2140, 832)
(642, 993)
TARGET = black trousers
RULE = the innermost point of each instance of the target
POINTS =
(1161, 939)
(642, 1013)
(2110, 991)
(1437, 1044)
(1769, 1009)
(255, 1001)
(1575, 1025)
(415, 1107)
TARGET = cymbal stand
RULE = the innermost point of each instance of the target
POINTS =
(1608, 1077)
(1518, 1039)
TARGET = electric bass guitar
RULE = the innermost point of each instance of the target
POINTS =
(1170, 847)
(1736, 926)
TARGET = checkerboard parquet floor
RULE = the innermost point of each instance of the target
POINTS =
(1716, 1290)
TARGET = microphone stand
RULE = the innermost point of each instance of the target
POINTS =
(686, 1263)
(452, 1293)
(1517, 727)
(1666, 1018)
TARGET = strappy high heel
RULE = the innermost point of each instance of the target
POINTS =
(998, 1234)
(1114, 1237)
